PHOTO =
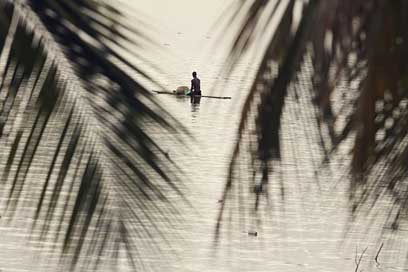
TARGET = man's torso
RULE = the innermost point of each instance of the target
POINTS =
(196, 84)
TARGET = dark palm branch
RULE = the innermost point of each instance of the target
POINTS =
(79, 162)
(353, 54)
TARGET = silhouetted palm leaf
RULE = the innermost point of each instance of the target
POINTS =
(353, 54)
(79, 163)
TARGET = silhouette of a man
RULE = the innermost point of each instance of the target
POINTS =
(195, 85)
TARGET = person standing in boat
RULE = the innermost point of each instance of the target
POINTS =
(195, 85)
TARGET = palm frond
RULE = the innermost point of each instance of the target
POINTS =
(357, 51)
(80, 159)
(272, 92)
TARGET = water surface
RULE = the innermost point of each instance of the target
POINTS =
(306, 230)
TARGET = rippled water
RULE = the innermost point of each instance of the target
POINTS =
(307, 230)
(310, 229)
(304, 231)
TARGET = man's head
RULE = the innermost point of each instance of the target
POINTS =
(194, 74)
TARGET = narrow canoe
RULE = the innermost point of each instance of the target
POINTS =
(177, 94)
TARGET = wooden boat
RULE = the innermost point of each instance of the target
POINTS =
(178, 93)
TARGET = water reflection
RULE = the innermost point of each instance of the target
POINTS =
(195, 99)
(195, 105)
